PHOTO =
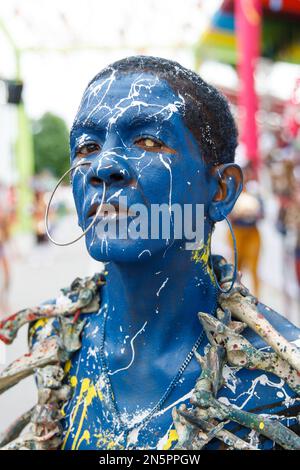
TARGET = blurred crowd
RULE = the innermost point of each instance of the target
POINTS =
(7, 221)
(41, 185)
(283, 163)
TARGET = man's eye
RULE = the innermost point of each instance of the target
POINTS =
(87, 149)
(153, 145)
(147, 143)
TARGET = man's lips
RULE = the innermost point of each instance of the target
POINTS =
(110, 210)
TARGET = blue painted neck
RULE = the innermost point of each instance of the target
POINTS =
(163, 294)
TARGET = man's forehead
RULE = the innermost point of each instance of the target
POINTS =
(117, 89)
(132, 94)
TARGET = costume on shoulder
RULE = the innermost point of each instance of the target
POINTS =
(249, 346)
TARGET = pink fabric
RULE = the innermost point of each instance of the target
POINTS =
(248, 29)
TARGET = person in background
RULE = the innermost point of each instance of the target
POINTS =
(292, 222)
(38, 217)
(4, 260)
(247, 211)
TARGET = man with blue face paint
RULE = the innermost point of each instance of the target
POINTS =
(149, 132)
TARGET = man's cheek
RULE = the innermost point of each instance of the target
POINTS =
(79, 205)
(157, 182)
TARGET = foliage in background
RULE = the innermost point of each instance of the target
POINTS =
(51, 144)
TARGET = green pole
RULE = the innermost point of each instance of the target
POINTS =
(24, 156)
(25, 168)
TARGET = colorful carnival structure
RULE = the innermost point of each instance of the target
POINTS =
(240, 33)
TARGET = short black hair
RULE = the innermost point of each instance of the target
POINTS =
(206, 112)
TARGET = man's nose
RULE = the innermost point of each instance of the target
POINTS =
(112, 169)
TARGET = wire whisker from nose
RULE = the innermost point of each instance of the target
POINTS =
(69, 171)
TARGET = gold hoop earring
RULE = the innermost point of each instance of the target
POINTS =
(50, 200)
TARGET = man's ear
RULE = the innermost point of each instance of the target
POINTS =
(228, 185)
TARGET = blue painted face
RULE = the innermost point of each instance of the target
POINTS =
(131, 129)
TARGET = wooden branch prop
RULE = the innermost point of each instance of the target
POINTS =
(216, 428)
(224, 335)
(189, 436)
(203, 395)
(270, 428)
(205, 429)
(241, 353)
(15, 429)
(84, 289)
(45, 353)
(45, 430)
(27, 442)
(212, 363)
(199, 426)
(244, 309)
(47, 359)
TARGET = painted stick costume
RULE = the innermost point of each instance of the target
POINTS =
(153, 353)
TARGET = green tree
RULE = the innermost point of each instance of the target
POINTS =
(51, 144)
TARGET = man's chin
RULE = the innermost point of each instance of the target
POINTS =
(125, 251)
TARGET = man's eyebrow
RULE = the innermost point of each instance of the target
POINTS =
(137, 121)
(140, 119)
(85, 125)
(144, 119)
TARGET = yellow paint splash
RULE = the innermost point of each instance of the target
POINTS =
(111, 445)
(85, 437)
(90, 393)
(172, 437)
(107, 441)
(68, 366)
(202, 256)
(73, 381)
(83, 390)
(38, 324)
